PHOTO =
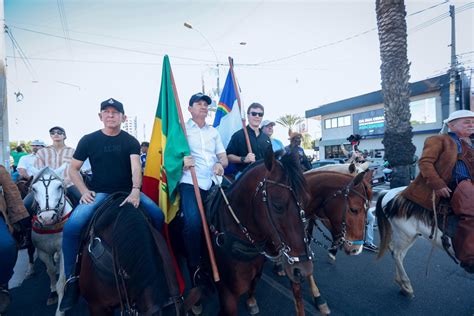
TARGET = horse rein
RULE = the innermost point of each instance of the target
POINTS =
(340, 239)
(284, 249)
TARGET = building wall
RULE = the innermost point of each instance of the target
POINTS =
(337, 136)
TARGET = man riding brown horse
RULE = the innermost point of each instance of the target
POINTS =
(446, 171)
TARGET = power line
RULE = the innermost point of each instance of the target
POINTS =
(17, 47)
(417, 28)
(113, 47)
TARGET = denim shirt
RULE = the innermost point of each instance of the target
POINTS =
(460, 171)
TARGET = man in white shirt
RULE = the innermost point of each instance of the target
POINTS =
(209, 159)
(27, 162)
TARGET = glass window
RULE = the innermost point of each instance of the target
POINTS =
(347, 120)
(334, 122)
(327, 123)
(423, 111)
(340, 121)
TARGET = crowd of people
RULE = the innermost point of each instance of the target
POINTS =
(117, 161)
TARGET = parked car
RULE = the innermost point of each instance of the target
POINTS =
(378, 177)
(324, 162)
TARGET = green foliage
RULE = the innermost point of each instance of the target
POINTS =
(289, 121)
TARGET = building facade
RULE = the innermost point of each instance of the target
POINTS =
(364, 115)
(131, 126)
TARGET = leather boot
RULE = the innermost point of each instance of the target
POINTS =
(71, 294)
(4, 298)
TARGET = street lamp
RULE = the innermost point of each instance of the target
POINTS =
(189, 26)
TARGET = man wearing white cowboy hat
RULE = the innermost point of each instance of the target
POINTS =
(446, 171)
(27, 162)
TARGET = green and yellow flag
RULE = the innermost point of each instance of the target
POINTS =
(168, 146)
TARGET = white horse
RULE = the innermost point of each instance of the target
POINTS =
(53, 210)
(400, 223)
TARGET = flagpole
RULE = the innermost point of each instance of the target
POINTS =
(237, 94)
(215, 272)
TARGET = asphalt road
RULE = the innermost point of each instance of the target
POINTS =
(358, 285)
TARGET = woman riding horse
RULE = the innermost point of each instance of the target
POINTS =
(13, 219)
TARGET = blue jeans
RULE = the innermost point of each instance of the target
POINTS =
(192, 231)
(8, 253)
(81, 216)
(369, 228)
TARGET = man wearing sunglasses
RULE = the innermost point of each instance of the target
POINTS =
(237, 151)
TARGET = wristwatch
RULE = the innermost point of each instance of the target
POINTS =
(242, 159)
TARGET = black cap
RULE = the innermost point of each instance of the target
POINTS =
(198, 97)
(58, 128)
(113, 103)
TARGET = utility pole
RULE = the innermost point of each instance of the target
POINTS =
(4, 141)
(454, 63)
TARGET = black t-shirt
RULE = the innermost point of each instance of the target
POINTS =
(110, 160)
(238, 146)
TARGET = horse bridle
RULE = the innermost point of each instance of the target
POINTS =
(59, 208)
(340, 239)
(283, 248)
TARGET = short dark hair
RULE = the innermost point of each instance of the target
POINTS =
(145, 144)
(255, 105)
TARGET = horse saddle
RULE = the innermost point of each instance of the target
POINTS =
(99, 251)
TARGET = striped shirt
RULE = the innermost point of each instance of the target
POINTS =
(50, 157)
(460, 171)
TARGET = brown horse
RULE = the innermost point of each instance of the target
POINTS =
(126, 264)
(341, 202)
(266, 221)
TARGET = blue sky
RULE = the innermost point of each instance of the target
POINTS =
(115, 49)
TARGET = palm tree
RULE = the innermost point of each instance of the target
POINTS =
(289, 121)
(397, 140)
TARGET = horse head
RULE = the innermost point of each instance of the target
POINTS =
(341, 201)
(49, 191)
(280, 196)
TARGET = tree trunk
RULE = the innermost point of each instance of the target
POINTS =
(392, 29)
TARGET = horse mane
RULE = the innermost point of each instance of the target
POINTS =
(294, 173)
(135, 248)
(403, 207)
(292, 167)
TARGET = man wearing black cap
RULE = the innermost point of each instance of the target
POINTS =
(114, 156)
(209, 159)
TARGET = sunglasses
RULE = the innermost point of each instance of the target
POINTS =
(260, 114)
(56, 132)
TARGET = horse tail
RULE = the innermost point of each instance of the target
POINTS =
(384, 227)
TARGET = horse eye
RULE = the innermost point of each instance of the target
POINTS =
(353, 210)
(278, 207)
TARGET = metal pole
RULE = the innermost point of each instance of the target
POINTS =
(189, 26)
(4, 139)
(454, 63)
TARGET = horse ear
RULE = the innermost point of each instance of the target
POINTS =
(359, 177)
(269, 158)
(34, 171)
(352, 168)
(60, 170)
